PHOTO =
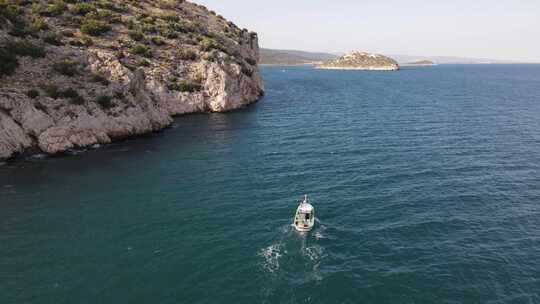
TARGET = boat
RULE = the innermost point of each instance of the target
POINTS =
(304, 220)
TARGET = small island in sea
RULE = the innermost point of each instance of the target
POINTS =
(422, 63)
(361, 61)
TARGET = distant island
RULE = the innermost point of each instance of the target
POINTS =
(421, 63)
(292, 57)
(361, 61)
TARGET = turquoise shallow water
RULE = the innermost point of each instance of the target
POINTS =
(426, 184)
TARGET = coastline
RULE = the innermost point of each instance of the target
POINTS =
(36, 151)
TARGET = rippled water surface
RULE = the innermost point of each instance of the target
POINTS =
(426, 184)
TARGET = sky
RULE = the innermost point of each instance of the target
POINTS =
(494, 29)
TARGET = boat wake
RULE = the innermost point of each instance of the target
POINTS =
(320, 233)
(295, 252)
(271, 255)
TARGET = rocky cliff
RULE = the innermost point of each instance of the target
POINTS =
(82, 73)
(361, 61)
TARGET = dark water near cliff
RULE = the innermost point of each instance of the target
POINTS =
(426, 183)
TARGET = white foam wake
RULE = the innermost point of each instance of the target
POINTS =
(271, 255)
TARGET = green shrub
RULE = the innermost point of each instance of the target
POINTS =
(99, 78)
(87, 41)
(38, 9)
(8, 62)
(68, 33)
(82, 8)
(171, 17)
(119, 95)
(54, 9)
(115, 7)
(100, 15)
(74, 21)
(119, 54)
(183, 27)
(105, 101)
(116, 18)
(148, 19)
(129, 23)
(144, 63)
(136, 35)
(76, 43)
(107, 16)
(53, 38)
(141, 50)
(57, 8)
(32, 93)
(157, 40)
(39, 24)
(187, 54)
(53, 91)
(72, 95)
(10, 12)
(169, 34)
(210, 56)
(94, 28)
(207, 44)
(25, 48)
(69, 93)
(184, 86)
(66, 67)
(21, 31)
(149, 28)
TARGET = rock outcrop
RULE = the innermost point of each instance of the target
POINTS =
(79, 73)
(361, 61)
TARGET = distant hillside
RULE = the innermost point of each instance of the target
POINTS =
(404, 59)
(292, 57)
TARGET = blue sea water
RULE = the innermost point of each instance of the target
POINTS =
(426, 184)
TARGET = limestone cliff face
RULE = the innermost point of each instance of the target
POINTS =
(76, 74)
(361, 61)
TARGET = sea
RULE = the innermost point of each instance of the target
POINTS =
(425, 182)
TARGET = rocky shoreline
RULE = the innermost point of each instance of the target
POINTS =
(155, 62)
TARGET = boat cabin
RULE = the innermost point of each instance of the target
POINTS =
(305, 216)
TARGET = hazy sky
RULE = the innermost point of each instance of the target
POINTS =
(496, 29)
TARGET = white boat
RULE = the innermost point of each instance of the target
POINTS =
(304, 220)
